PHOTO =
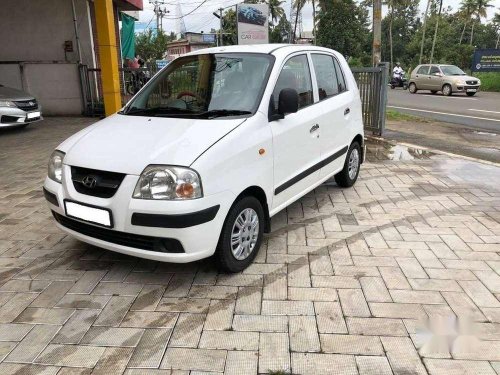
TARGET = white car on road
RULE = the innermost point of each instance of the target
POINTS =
(208, 151)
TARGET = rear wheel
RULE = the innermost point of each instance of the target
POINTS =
(349, 174)
(470, 93)
(412, 88)
(241, 235)
(447, 90)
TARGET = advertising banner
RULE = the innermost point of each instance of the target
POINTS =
(486, 60)
(253, 23)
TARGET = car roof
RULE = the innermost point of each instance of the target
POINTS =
(261, 48)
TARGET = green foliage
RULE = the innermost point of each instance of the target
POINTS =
(489, 81)
(151, 45)
(279, 33)
(343, 26)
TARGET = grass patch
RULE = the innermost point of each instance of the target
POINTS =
(393, 115)
(490, 81)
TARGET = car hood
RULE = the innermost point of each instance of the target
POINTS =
(127, 144)
(13, 94)
(462, 78)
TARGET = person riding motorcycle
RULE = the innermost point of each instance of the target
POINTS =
(398, 73)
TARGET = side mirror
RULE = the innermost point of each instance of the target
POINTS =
(438, 74)
(288, 102)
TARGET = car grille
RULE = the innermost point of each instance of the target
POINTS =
(96, 183)
(26, 105)
(158, 244)
(471, 82)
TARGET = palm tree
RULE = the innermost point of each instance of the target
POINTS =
(298, 5)
(466, 10)
(496, 22)
(276, 11)
(480, 11)
(436, 30)
(423, 31)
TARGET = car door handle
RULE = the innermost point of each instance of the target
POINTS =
(314, 128)
(347, 111)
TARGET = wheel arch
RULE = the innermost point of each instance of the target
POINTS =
(260, 194)
(361, 141)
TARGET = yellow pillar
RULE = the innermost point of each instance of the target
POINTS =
(108, 55)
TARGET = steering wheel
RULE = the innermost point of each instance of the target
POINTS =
(195, 97)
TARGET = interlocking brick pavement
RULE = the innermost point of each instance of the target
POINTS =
(399, 274)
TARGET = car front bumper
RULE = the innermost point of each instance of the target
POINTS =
(13, 116)
(150, 229)
(464, 88)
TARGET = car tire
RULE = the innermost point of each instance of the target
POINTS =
(245, 225)
(349, 174)
(412, 88)
(470, 93)
(433, 92)
(447, 91)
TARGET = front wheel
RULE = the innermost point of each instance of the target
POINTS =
(412, 88)
(349, 174)
(470, 93)
(241, 235)
(447, 90)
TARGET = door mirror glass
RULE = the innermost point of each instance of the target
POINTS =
(288, 101)
(438, 74)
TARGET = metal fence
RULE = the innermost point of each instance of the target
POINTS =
(131, 80)
(372, 84)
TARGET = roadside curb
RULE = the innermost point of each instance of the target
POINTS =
(411, 145)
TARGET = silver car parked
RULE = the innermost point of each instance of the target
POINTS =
(17, 108)
(445, 78)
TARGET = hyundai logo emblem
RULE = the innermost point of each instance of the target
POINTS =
(89, 182)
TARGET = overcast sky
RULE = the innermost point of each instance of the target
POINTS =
(203, 20)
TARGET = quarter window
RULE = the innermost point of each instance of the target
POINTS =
(295, 75)
(326, 77)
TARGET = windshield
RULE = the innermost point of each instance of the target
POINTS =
(452, 70)
(205, 86)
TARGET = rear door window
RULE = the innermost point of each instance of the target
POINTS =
(326, 76)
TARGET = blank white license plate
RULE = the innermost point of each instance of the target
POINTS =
(91, 214)
(471, 90)
(31, 115)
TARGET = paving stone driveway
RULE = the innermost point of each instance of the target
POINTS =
(365, 280)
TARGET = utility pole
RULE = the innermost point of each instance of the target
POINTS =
(160, 11)
(377, 32)
(436, 31)
(423, 32)
(219, 16)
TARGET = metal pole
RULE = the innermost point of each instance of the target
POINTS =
(77, 36)
(436, 31)
(220, 20)
(383, 97)
(377, 31)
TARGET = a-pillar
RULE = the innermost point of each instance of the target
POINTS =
(108, 55)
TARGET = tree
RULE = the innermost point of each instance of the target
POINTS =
(480, 9)
(465, 12)
(496, 24)
(279, 33)
(343, 26)
(436, 30)
(229, 30)
(423, 31)
(276, 11)
(152, 45)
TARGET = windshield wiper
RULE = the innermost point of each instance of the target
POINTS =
(155, 111)
(223, 112)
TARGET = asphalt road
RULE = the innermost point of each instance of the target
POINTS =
(480, 112)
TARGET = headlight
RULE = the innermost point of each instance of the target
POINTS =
(168, 183)
(459, 82)
(55, 166)
(6, 103)
(478, 81)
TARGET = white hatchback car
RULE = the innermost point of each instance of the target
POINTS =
(208, 151)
